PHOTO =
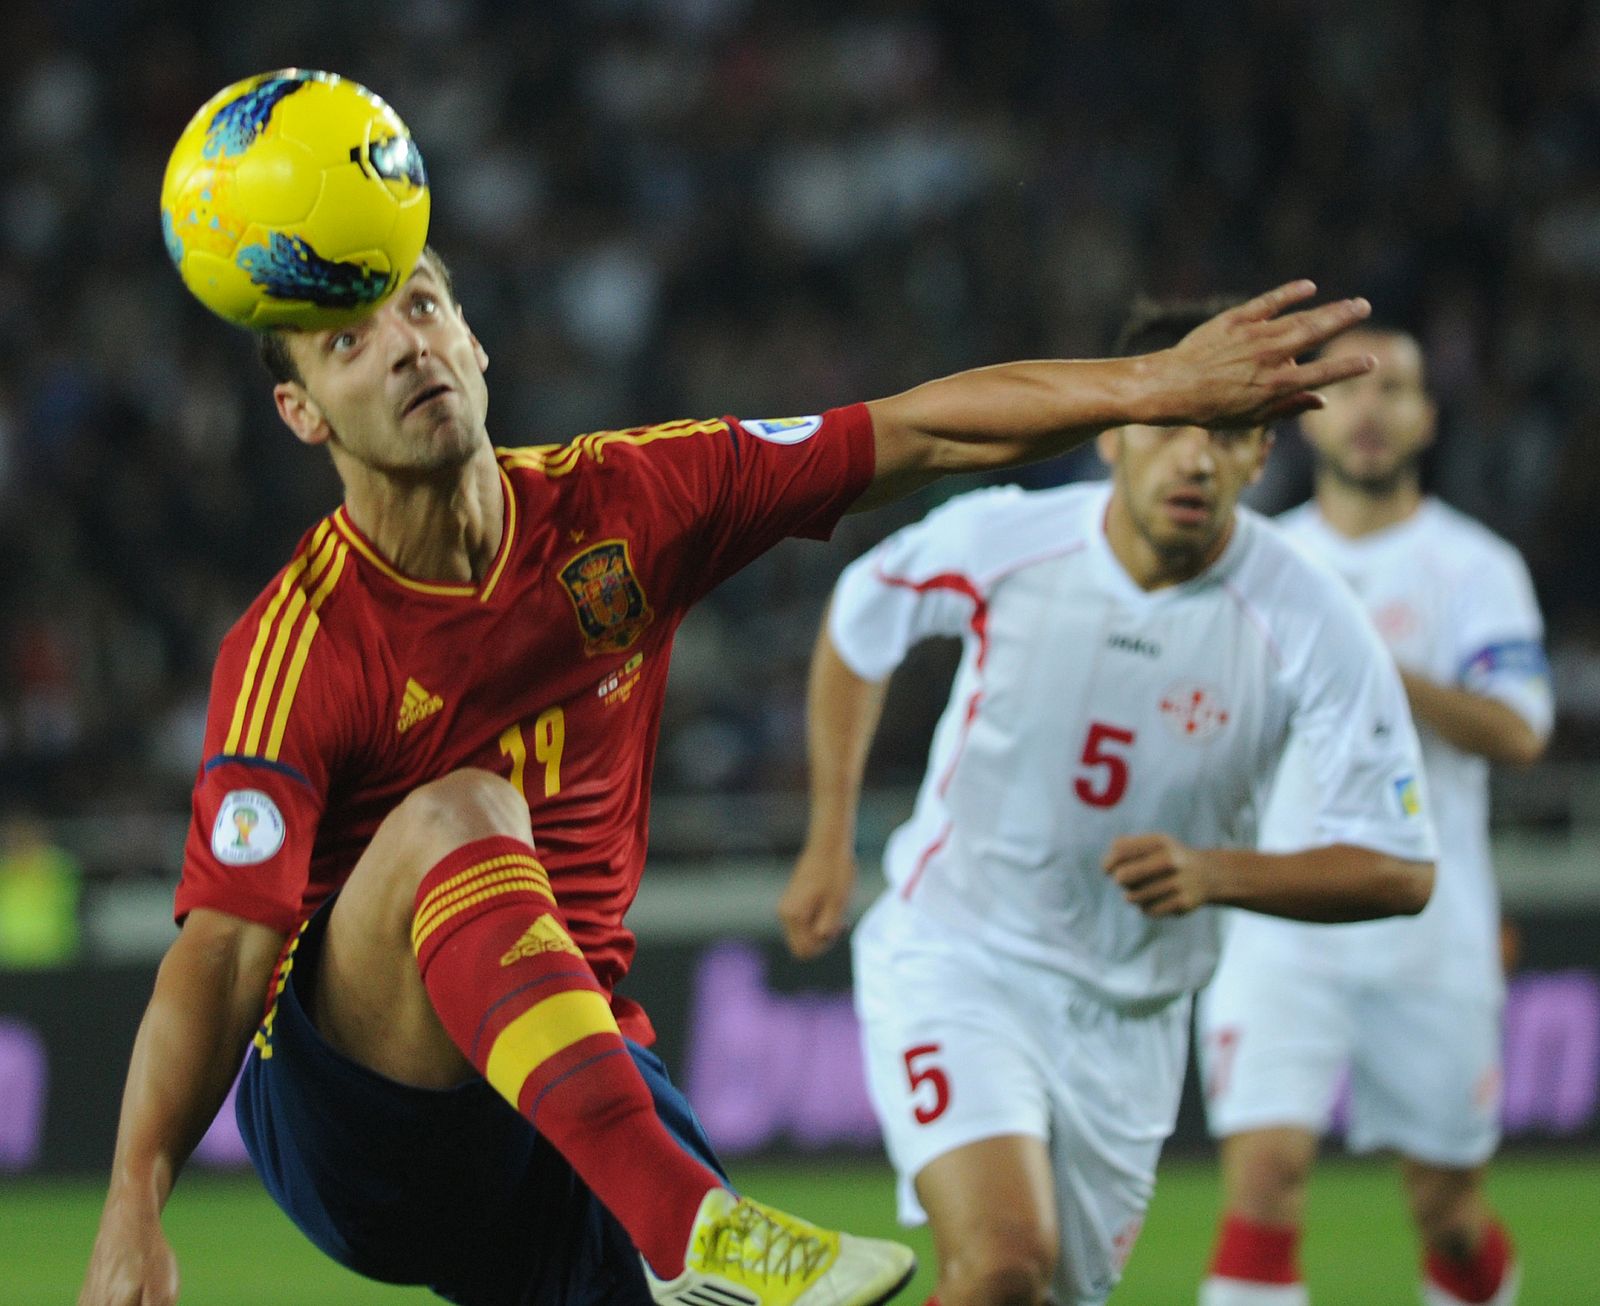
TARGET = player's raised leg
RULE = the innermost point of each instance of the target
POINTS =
(1256, 1259)
(1467, 1254)
(993, 1211)
(446, 953)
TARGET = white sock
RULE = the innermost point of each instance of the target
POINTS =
(1241, 1292)
(1434, 1295)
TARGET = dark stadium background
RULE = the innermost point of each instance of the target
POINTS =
(668, 208)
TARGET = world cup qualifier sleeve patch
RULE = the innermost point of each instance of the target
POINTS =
(1407, 795)
(783, 430)
(249, 828)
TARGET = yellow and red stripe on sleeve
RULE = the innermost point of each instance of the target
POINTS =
(283, 642)
(563, 459)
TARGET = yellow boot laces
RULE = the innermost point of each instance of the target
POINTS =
(753, 1245)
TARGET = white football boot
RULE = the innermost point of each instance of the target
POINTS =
(742, 1253)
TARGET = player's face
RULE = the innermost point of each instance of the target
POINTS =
(401, 391)
(1372, 430)
(1177, 486)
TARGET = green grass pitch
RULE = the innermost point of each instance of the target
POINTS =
(235, 1249)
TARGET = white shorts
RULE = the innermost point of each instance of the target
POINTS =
(962, 1045)
(1276, 1039)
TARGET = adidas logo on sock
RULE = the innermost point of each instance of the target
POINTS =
(544, 935)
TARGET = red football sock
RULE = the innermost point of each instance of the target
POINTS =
(519, 1000)
(1256, 1253)
(1477, 1278)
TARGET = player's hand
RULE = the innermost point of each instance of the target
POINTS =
(1159, 875)
(132, 1263)
(1239, 368)
(815, 905)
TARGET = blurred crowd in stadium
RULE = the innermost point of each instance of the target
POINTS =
(663, 208)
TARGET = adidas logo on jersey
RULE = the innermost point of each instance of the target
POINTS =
(544, 935)
(417, 705)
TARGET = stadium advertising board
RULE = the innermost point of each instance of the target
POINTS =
(765, 1047)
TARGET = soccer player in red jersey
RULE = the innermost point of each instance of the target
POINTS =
(421, 815)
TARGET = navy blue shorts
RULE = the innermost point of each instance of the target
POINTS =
(451, 1189)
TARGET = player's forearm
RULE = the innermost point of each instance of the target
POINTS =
(1340, 882)
(992, 416)
(207, 1000)
(1239, 369)
(1472, 722)
(1007, 414)
(842, 713)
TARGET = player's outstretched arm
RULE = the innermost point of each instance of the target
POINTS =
(207, 1001)
(1474, 723)
(842, 712)
(1339, 882)
(1239, 369)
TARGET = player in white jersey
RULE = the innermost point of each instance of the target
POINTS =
(1412, 1008)
(1136, 657)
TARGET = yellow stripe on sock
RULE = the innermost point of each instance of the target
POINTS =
(540, 1032)
(508, 876)
(458, 886)
(460, 878)
(511, 881)
(420, 934)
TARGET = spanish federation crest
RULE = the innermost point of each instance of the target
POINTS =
(612, 609)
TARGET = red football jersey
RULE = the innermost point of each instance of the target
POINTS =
(346, 684)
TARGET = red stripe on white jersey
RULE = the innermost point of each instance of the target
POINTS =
(979, 624)
(1256, 618)
(922, 861)
(950, 580)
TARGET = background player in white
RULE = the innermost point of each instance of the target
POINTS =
(1411, 1007)
(1136, 658)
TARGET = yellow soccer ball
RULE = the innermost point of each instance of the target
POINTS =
(294, 199)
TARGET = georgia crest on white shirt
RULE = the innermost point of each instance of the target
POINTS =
(1085, 708)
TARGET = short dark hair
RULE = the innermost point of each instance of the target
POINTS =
(1374, 326)
(272, 346)
(1154, 324)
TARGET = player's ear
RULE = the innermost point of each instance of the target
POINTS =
(478, 351)
(301, 413)
(1108, 444)
(1267, 438)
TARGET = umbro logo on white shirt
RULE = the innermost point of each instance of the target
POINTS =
(1133, 644)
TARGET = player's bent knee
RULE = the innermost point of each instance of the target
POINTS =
(430, 823)
(442, 815)
(1007, 1266)
(1267, 1180)
(1005, 1282)
(1442, 1202)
